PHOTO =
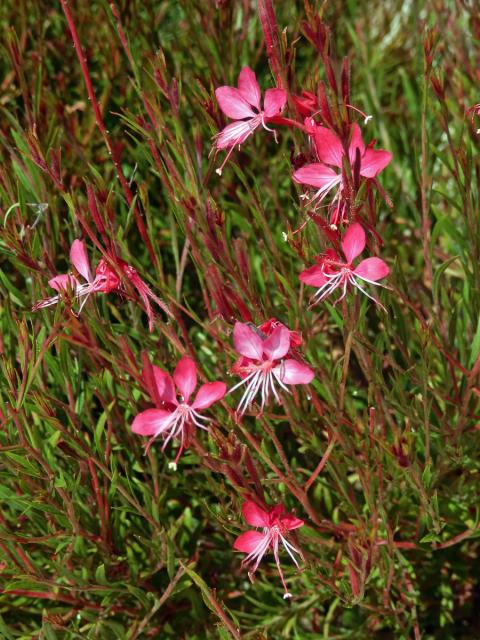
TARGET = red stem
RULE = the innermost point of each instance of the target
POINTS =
(101, 125)
(321, 464)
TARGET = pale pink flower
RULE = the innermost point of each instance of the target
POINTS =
(275, 524)
(174, 417)
(264, 364)
(332, 272)
(330, 151)
(106, 280)
(242, 104)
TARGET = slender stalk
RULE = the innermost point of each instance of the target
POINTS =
(112, 151)
(427, 270)
(321, 464)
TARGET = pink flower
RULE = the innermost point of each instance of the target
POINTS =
(106, 280)
(63, 282)
(332, 272)
(173, 418)
(276, 524)
(330, 151)
(242, 104)
(263, 364)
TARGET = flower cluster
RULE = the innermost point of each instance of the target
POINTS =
(269, 358)
(342, 166)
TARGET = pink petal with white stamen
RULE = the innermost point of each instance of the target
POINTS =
(276, 346)
(79, 259)
(208, 394)
(374, 161)
(233, 104)
(372, 269)
(317, 175)
(274, 101)
(165, 386)
(255, 516)
(328, 146)
(185, 377)
(246, 342)
(249, 541)
(353, 242)
(293, 372)
(62, 282)
(150, 422)
(248, 87)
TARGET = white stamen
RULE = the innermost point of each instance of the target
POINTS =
(260, 380)
(176, 426)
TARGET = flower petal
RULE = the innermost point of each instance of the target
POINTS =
(150, 422)
(246, 341)
(249, 541)
(313, 276)
(316, 175)
(185, 377)
(63, 281)
(353, 242)
(165, 387)
(274, 101)
(356, 143)
(372, 269)
(248, 87)
(208, 394)
(374, 161)
(255, 516)
(294, 372)
(291, 522)
(328, 146)
(79, 259)
(233, 104)
(276, 346)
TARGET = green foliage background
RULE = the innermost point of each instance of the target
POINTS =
(98, 541)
